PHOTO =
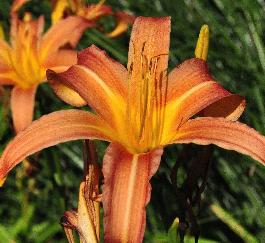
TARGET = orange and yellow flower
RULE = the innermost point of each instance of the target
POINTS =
(29, 53)
(139, 110)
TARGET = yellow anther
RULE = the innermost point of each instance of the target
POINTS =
(2, 33)
(202, 46)
(27, 17)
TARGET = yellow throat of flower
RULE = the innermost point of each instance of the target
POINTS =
(146, 105)
(24, 55)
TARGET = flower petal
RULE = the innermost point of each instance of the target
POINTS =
(68, 95)
(112, 72)
(191, 90)
(126, 192)
(22, 106)
(60, 61)
(193, 72)
(187, 75)
(8, 78)
(93, 90)
(5, 64)
(4, 56)
(49, 130)
(225, 134)
(149, 46)
(66, 31)
(99, 81)
(188, 104)
(231, 107)
(24, 56)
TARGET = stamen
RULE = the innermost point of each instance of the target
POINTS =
(27, 17)
(202, 46)
(163, 104)
(128, 110)
(146, 115)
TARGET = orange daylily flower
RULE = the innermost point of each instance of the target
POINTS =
(29, 53)
(139, 110)
(91, 12)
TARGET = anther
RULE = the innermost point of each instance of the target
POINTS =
(201, 50)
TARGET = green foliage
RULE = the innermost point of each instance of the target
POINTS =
(233, 224)
(31, 208)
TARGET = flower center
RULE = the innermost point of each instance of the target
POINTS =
(146, 103)
(24, 56)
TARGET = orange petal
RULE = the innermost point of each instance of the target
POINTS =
(126, 192)
(60, 61)
(26, 30)
(225, 134)
(230, 107)
(6, 69)
(5, 80)
(66, 31)
(149, 46)
(112, 72)
(4, 56)
(5, 64)
(92, 89)
(10, 77)
(67, 95)
(49, 130)
(193, 101)
(98, 80)
(191, 87)
(22, 106)
(187, 75)
(193, 72)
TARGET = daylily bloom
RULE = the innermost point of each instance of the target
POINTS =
(91, 12)
(29, 53)
(139, 110)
